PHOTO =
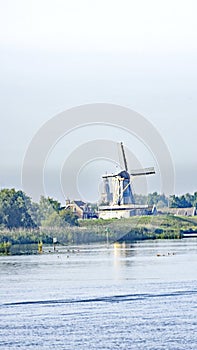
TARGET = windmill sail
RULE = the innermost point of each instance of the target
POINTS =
(146, 171)
(124, 157)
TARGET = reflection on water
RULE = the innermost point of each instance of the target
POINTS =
(24, 249)
(123, 252)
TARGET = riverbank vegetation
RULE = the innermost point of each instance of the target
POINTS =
(90, 231)
(23, 222)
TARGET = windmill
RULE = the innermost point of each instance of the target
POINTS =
(122, 190)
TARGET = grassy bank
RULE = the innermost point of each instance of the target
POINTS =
(90, 231)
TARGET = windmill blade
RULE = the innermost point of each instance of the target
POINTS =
(124, 156)
(146, 171)
(110, 175)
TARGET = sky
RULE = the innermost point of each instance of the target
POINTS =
(59, 54)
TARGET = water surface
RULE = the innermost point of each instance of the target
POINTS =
(141, 296)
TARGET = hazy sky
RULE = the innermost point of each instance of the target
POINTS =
(57, 54)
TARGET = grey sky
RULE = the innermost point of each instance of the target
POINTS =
(58, 54)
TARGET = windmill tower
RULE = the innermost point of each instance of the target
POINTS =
(106, 196)
(122, 190)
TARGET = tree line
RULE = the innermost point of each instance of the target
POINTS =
(17, 210)
(161, 200)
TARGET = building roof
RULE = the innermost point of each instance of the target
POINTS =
(79, 203)
(179, 211)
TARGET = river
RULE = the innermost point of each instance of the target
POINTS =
(139, 296)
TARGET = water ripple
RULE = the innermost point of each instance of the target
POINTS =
(108, 299)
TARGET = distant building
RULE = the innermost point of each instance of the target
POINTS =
(81, 209)
(179, 211)
(117, 198)
(106, 195)
(125, 211)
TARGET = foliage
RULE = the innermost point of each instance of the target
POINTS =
(5, 247)
(184, 201)
(152, 227)
(14, 209)
(22, 236)
(53, 220)
(47, 207)
(157, 199)
(69, 217)
(51, 214)
(23, 221)
(160, 200)
(18, 211)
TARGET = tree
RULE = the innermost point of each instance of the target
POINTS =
(69, 217)
(34, 211)
(51, 213)
(157, 199)
(184, 201)
(14, 209)
(47, 206)
(54, 220)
